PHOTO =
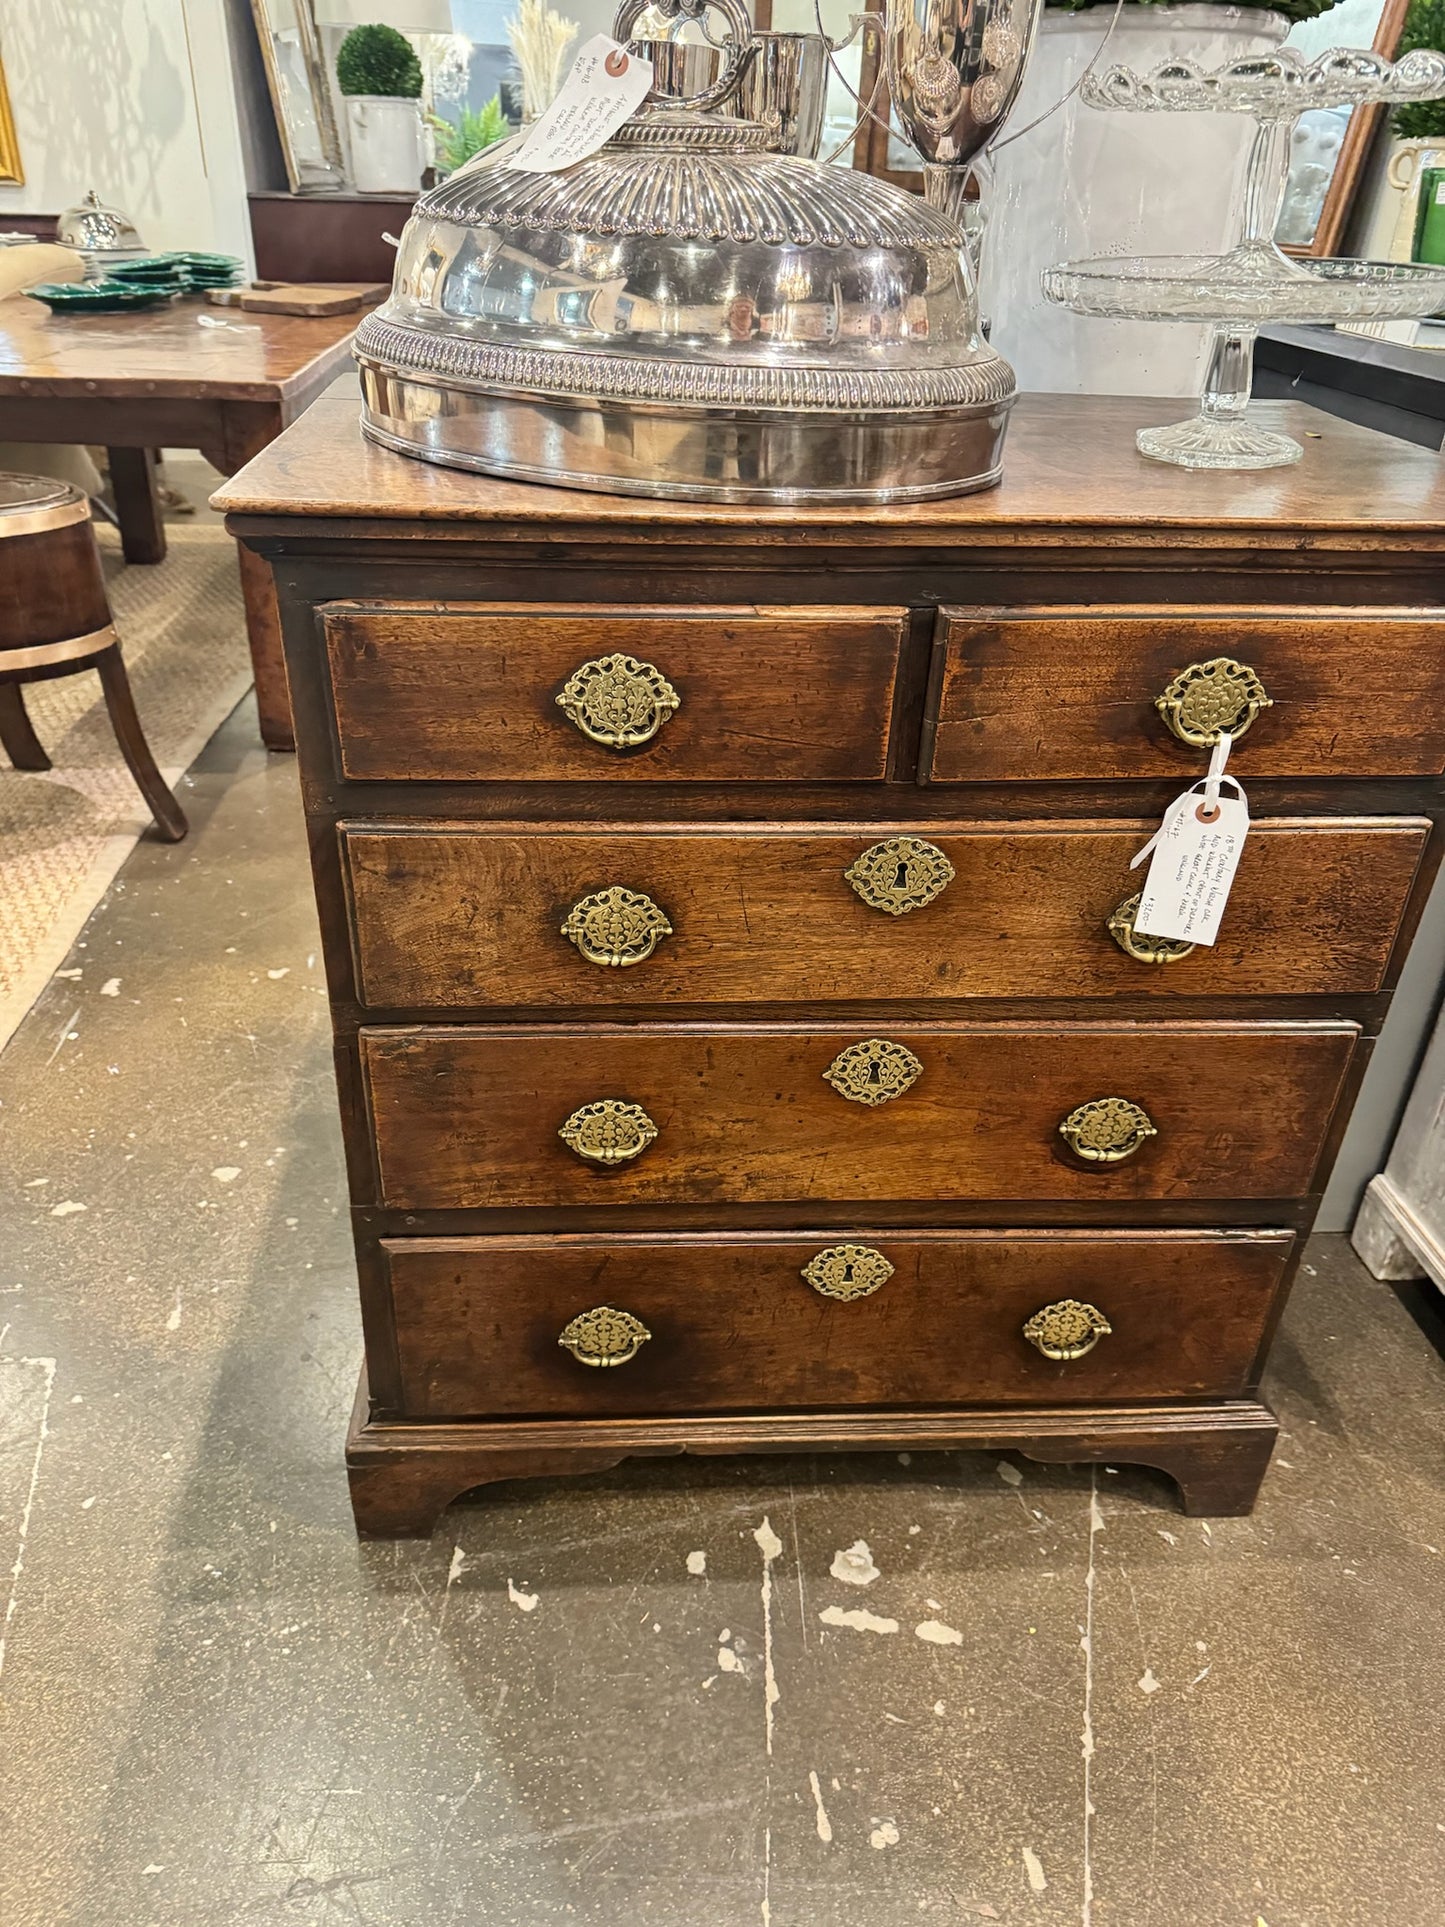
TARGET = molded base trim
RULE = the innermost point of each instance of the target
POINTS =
(404, 1474)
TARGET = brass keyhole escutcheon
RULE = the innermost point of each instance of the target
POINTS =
(902, 874)
(604, 1336)
(848, 1271)
(1133, 943)
(1211, 699)
(1107, 1130)
(609, 1131)
(873, 1072)
(618, 701)
(1067, 1330)
(616, 927)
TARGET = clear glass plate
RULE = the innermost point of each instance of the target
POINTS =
(1253, 285)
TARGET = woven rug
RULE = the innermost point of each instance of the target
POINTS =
(65, 833)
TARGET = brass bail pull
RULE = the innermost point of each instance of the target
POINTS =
(1211, 699)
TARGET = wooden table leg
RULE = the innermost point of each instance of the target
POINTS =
(137, 503)
(263, 632)
(17, 736)
(171, 825)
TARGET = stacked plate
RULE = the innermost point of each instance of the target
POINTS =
(143, 281)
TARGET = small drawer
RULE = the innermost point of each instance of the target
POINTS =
(472, 693)
(537, 917)
(655, 1114)
(494, 1326)
(1099, 694)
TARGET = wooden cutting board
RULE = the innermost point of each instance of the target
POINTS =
(318, 298)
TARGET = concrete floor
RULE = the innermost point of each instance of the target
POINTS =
(217, 1707)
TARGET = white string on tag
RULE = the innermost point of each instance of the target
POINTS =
(1218, 758)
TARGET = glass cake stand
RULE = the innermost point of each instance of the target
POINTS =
(1255, 282)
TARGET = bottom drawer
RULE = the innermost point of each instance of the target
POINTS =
(889, 1319)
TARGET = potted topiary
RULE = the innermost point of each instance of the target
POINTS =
(1085, 182)
(1417, 135)
(380, 80)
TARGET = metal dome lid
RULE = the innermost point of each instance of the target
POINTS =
(685, 264)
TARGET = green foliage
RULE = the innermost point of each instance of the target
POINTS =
(457, 144)
(378, 60)
(1424, 27)
(1290, 9)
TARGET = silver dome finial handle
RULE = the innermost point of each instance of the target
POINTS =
(737, 49)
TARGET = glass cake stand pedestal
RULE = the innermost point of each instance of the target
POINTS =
(1255, 283)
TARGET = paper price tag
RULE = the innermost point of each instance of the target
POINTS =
(1192, 859)
(605, 86)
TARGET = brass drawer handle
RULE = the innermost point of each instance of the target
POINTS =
(1209, 698)
(900, 875)
(603, 1336)
(873, 1072)
(618, 701)
(611, 1131)
(1149, 950)
(1107, 1130)
(1067, 1330)
(616, 927)
(848, 1271)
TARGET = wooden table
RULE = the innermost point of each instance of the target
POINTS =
(142, 382)
(729, 925)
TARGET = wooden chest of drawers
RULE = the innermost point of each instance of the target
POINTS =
(742, 1035)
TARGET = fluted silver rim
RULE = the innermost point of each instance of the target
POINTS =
(463, 362)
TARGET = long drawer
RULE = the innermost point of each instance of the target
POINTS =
(530, 917)
(471, 693)
(470, 1117)
(492, 1326)
(1093, 694)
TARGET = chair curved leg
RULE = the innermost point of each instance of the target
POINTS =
(17, 737)
(171, 823)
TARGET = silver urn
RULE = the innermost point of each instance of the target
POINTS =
(690, 313)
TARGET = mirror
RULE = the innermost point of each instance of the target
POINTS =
(296, 76)
(1331, 145)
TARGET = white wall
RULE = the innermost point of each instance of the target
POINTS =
(134, 99)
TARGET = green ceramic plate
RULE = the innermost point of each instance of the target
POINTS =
(96, 297)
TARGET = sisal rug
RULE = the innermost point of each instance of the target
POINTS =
(65, 832)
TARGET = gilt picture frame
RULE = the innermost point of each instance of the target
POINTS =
(12, 174)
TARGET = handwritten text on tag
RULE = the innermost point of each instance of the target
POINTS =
(1192, 859)
(604, 87)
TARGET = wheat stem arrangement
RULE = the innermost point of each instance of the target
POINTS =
(540, 39)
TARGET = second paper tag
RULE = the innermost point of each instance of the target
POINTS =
(1192, 860)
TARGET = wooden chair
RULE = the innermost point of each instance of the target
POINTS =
(55, 620)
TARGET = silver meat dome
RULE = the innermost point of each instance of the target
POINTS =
(686, 313)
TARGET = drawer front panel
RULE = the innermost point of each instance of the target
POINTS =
(450, 918)
(470, 694)
(467, 1118)
(1072, 694)
(733, 1324)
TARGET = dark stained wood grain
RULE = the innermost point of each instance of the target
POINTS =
(1069, 693)
(734, 1325)
(403, 1473)
(1071, 472)
(469, 693)
(448, 918)
(52, 587)
(468, 1118)
(135, 484)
